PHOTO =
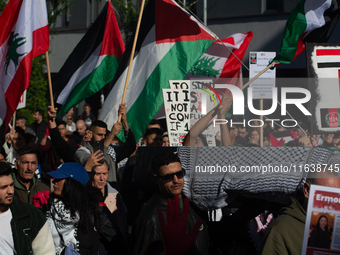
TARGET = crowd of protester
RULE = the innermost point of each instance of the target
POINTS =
(69, 184)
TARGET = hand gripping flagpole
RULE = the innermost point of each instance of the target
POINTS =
(132, 54)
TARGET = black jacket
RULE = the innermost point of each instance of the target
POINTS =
(147, 227)
(27, 222)
(112, 227)
(39, 129)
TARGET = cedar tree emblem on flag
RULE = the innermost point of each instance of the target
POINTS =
(12, 54)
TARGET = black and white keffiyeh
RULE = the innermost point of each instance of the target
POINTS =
(212, 190)
(62, 223)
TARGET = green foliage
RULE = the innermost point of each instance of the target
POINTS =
(58, 7)
(189, 5)
(127, 16)
(2, 4)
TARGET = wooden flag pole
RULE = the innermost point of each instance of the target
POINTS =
(49, 79)
(258, 75)
(13, 124)
(132, 54)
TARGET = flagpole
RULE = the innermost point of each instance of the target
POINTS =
(132, 54)
(49, 79)
(258, 75)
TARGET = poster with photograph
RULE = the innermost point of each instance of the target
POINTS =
(322, 228)
(323, 62)
(263, 86)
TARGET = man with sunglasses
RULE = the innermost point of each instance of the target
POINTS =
(169, 176)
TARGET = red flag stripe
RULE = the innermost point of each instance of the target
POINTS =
(40, 41)
(8, 15)
(112, 36)
(328, 52)
(232, 63)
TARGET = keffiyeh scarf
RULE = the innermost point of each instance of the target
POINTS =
(62, 223)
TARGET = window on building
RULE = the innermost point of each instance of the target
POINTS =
(272, 6)
(63, 19)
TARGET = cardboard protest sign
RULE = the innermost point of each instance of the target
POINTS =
(322, 228)
(177, 112)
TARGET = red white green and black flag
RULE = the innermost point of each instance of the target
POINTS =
(169, 43)
(23, 36)
(310, 21)
(93, 62)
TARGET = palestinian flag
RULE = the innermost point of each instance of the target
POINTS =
(23, 36)
(169, 43)
(93, 62)
(310, 21)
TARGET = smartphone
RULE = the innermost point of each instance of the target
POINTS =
(98, 146)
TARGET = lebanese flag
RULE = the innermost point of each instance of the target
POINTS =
(93, 62)
(310, 21)
(218, 62)
(169, 43)
(23, 36)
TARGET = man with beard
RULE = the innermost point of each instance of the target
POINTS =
(24, 229)
(26, 183)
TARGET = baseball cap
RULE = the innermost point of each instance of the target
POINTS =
(74, 171)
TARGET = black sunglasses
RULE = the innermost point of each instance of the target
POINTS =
(170, 177)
